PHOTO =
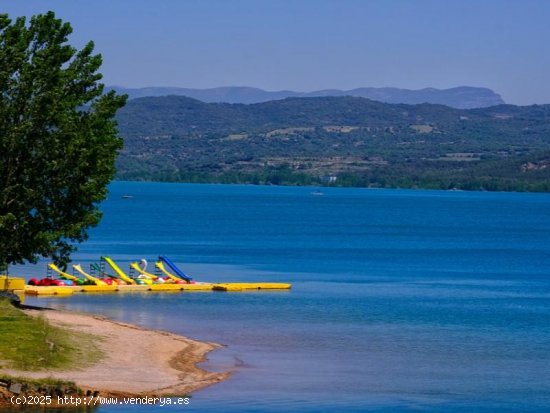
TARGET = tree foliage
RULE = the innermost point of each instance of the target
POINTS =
(58, 139)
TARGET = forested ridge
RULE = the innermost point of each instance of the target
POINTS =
(356, 141)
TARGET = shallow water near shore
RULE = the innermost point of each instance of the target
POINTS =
(402, 300)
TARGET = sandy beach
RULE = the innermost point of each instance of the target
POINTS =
(137, 361)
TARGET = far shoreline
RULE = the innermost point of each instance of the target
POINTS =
(336, 187)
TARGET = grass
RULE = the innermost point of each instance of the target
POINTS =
(33, 344)
(41, 383)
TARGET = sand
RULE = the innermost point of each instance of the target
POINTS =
(137, 361)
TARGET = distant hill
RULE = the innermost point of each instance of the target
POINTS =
(356, 141)
(464, 97)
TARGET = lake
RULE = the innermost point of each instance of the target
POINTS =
(402, 300)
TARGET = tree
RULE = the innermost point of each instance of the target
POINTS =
(58, 140)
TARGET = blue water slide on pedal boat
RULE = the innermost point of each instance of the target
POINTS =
(173, 267)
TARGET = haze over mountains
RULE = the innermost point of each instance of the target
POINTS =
(464, 97)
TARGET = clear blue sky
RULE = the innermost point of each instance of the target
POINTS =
(316, 44)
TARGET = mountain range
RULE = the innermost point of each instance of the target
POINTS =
(464, 97)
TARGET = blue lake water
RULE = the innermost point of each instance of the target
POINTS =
(402, 301)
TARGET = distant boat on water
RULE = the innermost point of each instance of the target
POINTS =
(127, 196)
(318, 193)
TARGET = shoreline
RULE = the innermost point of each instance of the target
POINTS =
(136, 361)
(323, 186)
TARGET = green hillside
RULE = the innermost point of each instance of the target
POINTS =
(358, 141)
